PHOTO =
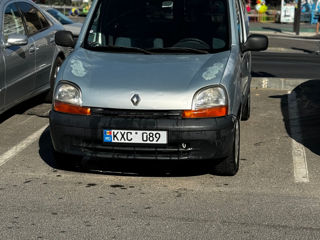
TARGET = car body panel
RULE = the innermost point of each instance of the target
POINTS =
(2, 75)
(162, 81)
(20, 64)
(204, 138)
(165, 81)
(44, 43)
(230, 78)
(20, 71)
(245, 73)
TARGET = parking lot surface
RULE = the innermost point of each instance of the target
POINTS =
(275, 194)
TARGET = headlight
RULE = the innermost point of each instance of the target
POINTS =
(208, 98)
(68, 99)
(68, 93)
(208, 102)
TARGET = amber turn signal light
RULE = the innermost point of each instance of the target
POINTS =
(220, 111)
(71, 109)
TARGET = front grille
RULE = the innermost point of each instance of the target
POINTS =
(145, 114)
(141, 152)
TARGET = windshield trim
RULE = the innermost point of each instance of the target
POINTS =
(118, 49)
(84, 44)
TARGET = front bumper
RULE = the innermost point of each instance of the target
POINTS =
(188, 139)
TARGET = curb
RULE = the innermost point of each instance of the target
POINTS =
(286, 84)
(286, 34)
(287, 50)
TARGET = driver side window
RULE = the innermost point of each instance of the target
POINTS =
(13, 23)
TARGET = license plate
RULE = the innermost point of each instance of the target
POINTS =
(134, 136)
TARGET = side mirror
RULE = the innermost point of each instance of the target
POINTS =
(255, 42)
(16, 40)
(64, 39)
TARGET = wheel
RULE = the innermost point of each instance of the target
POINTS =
(247, 109)
(229, 166)
(56, 67)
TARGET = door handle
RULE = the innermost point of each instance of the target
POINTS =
(32, 49)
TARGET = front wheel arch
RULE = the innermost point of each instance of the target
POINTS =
(54, 70)
(229, 165)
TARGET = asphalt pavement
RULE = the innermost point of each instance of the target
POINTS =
(290, 60)
(306, 29)
(275, 195)
(285, 65)
(282, 38)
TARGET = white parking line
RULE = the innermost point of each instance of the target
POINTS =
(26, 120)
(300, 166)
(21, 146)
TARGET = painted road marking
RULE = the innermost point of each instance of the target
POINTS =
(300, 166)
(26, 120)
(21, 146)
(265, 83)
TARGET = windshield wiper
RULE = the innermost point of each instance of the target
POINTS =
(110, 48)
(177, 50)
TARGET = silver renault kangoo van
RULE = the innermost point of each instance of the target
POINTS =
(156, 80)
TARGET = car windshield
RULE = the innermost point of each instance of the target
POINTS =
(160, 26)
(59, 16)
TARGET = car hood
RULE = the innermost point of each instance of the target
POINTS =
(163, 82)
(75, 28)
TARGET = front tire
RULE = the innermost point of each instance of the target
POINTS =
(229, 166)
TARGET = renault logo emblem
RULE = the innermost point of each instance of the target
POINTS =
(135, 99)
